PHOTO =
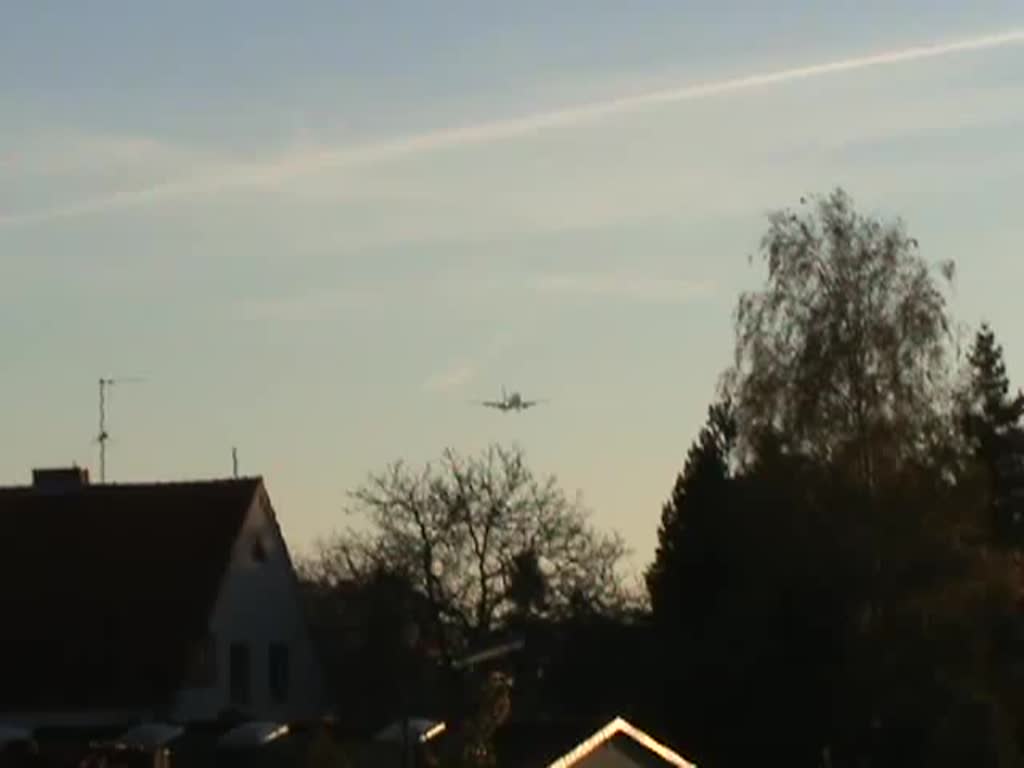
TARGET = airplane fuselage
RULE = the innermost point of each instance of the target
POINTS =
(512, 401)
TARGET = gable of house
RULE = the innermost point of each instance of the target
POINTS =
(572, 744)
(620, 745)
(261, 656)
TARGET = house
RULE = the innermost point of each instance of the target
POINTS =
(554, 744)
(125, 603)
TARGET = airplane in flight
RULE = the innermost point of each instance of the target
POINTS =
(512, 401)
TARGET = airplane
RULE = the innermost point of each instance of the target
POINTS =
(510, 402)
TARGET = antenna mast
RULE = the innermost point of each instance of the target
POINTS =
(234, 461)
(104, 436)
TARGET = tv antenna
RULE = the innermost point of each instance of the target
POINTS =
(104, 436)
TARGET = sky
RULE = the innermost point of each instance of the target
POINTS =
(320, 230)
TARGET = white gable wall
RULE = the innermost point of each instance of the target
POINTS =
(258, 606)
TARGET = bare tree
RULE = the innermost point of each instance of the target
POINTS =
(481, 537)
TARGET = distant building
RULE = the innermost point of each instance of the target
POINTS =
(125, 603)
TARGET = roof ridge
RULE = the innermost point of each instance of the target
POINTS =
(619, 725)
(202, 482)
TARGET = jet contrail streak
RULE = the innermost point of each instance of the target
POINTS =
(275, 171)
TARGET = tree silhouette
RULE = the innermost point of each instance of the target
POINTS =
(527, 584)
(693, 511)
(846, 344)
(373, 634)
(480, 537)
(992, 421)
(824, 583)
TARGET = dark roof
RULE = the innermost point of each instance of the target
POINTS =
(539, 743)
(106, 590)
(564, 670)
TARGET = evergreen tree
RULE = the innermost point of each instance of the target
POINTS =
(698, 493)
(992, 421)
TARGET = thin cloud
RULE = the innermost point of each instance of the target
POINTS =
(452, 379)
(468, 369)
(298, 164)
(632, 287)
(311, 307)
(62, 152)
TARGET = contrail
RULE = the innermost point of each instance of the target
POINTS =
(275, 171)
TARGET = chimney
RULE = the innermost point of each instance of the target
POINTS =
(60, 478)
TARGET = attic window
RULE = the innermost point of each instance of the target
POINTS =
(259, 550)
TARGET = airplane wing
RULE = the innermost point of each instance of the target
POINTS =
(489, 403)
(531, 403)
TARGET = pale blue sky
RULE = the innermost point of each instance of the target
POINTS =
(272, 214)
